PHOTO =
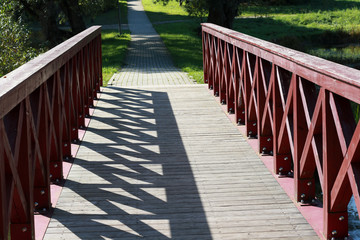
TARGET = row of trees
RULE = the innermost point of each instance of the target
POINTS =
(16, 17)
(223, 12)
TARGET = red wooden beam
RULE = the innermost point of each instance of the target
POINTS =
(299, 108)
(42, 105)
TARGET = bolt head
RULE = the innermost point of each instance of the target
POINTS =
(341, 218)
(42, 192)
(334, 232)
(74, 129)
(24, 229)
(243, 112)
(44, 209)
(57, 180)
(254, 124)
(309, 183)
(55, 165)
(36, 204)
(264, 149)
(286, 158)
(269, 139)
(280, 169)
(65, 145)
(50, 175)
(302, 195)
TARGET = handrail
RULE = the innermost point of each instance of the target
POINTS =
(43, 105)
(299, 107)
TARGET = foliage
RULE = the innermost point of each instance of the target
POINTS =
(220, 12)
(14, 44)
(114, 49)
(181, 38)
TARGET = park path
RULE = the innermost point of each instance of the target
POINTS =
(148, 61)
(161, 160)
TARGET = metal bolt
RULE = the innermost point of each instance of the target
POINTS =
(269, 139)
(302, 201)
(74, 129)
(302, 195)
(254, 124)
(80, 116)
(65, 145)
(55, 165)
(264, 149)
(309, 183)
(334, 232)
(67, 158)
(280, 169)
(42, 192)
(57, 180)
(36, 204)
(44, 209)
(243, 112)
(286, 158)
(341, 218)
(230, 110)
(271, 152)
(313, 200)
(250, 132)
(50, 176)
(239, 120)
(24, 229)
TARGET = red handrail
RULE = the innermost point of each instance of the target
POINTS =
(299, 107)
(42, 105)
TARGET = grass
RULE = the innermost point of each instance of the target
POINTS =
(110, 17)
(114, 49)
(181, 38)
(325, 28)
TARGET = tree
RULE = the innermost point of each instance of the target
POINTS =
(46, 12)
(220, 12)
(14, 44)
(49, 13)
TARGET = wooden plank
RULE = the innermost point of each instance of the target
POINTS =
(162, 171)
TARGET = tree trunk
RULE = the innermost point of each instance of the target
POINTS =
(223, 12)
(72, 11)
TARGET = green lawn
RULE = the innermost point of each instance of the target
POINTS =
(110, 17)
(181, 38)
(114, 49)
(325, 28)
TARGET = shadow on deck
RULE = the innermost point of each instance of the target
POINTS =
(132, 177)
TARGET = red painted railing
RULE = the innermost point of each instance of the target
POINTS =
(300, 109)
(43, 104)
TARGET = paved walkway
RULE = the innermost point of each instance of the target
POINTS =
(164, 162)
(148, 61)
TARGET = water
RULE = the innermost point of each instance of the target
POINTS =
(354, 222)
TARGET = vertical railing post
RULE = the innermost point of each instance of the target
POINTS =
(334, 224)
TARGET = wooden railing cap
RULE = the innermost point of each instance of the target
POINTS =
(18, 84)
(324, 67)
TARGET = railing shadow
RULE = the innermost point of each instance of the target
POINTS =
(132, 177)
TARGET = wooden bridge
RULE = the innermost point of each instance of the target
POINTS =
(267, 148)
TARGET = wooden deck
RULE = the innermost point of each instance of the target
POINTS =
(166, 163)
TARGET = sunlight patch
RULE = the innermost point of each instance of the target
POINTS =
(160, 225)
(121, 167)
(131, 210)
(159, 193)
(131, 180)
(117, 225)
(86, 176)
(156, 168)
(121, 192)
(74, 203)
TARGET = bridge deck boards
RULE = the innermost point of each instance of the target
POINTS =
(166, 163)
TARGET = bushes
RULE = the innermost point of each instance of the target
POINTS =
(14, 44)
